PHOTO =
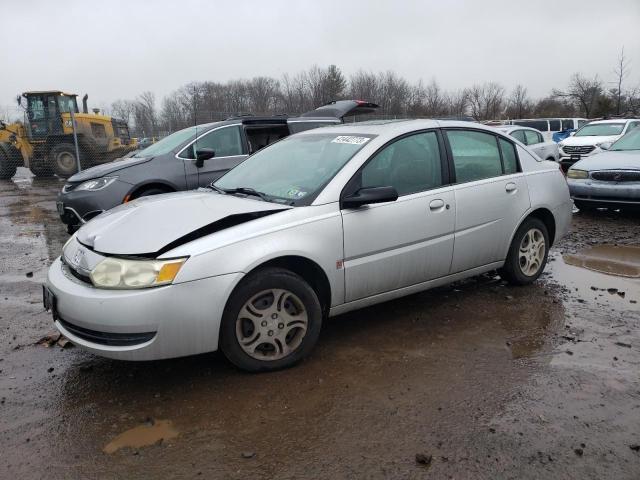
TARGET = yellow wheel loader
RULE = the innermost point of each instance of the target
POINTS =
(45, 142)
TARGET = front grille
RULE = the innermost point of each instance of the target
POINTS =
(616, 176)
(107, 338)
(578, 150)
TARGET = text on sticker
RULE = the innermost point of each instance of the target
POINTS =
(351, 140)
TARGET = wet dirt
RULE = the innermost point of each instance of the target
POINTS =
(482, 379)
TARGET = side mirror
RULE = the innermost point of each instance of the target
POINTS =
(605, 145)
(19, 100)
(204, 154)
(366, 196)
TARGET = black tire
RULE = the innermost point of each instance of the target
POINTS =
(9, 160)
(63, 160)
(253, 285)
(583, 206)
(40, 167)
(512, 271)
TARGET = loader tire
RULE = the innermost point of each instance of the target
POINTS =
(9, 160)
(62, 158)
(40, 167)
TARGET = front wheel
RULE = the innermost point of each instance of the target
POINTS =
(63, 160)
(528, 253)
(272, 320)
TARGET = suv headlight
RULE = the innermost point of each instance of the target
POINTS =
(121, 273)
(96, 183)
(578, 174)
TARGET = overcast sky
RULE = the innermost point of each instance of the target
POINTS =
(117, 49)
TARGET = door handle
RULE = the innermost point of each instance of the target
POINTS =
(511, 187)
(437, 204)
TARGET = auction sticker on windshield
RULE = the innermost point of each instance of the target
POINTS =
(350, 140)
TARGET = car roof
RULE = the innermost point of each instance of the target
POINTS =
(392, 128)
(511, 128)
(613, 120)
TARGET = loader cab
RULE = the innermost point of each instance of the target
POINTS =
(44, 112)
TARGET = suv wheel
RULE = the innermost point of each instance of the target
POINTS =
(272, 320)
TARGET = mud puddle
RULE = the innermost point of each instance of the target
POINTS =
(623, 261)
(150, 433)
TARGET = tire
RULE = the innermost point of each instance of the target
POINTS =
(8, 161)
(62, 158)
(520, 252)
(40, 167)
(583, 207)
(278, 299)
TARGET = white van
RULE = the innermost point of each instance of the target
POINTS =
(549, 126)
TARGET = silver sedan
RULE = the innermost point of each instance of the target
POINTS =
(610, 179)
(318, 224)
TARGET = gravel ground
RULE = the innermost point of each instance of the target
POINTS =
(475, 380)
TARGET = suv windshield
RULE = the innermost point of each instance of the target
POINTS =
(600, 129)
(169, 143)
(631, 141)
(295, 169)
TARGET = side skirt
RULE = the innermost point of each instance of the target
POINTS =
(418, 287)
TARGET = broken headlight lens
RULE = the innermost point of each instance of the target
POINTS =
(574, 173)
(96, 184)
(122, 273)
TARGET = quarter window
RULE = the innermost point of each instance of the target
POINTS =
(519, 135)
(532, 137)
(410, 165)
(509, 157)
(475, 155)
(226, 142)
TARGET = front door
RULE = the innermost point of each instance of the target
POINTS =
(229, 150)
(397, 244)
(491, 196)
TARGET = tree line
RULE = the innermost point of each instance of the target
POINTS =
(200, 102)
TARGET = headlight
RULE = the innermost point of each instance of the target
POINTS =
(96, 184)
(121, 273)
(573, 173)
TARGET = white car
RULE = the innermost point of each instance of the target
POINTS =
(550, 126)
(317, 224)
(532, 138)
(588, 140)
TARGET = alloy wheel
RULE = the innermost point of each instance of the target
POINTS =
(531, 252)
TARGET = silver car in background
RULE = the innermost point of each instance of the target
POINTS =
(315, 225)
(610, 179)
(546, 150)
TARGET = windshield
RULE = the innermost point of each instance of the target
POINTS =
(295, 169)
(631, 141)
(600, 129)
(167, 144)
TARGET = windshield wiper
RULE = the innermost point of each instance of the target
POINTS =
(217, 189)
(247, 191)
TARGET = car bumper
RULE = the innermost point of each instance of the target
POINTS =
(77, 207)
(144, 324)
(605, 194)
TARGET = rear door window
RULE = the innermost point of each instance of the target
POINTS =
(475, 155)
(567, 125)
(554, 125)
(519, 135)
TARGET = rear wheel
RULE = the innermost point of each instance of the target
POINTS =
(272, 320)
(63, 160)
(9, 160)
(528, 253)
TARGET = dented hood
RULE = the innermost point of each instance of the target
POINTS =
(151, 225)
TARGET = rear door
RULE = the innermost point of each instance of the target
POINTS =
(397, 244)
(230, 149)
(491, 196)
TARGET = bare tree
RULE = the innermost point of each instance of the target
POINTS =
(435, 100)
(486, 101)
(621, 71)
(457, 103)
(583, 91)
(518, 104)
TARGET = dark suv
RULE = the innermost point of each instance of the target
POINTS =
(187, 159)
